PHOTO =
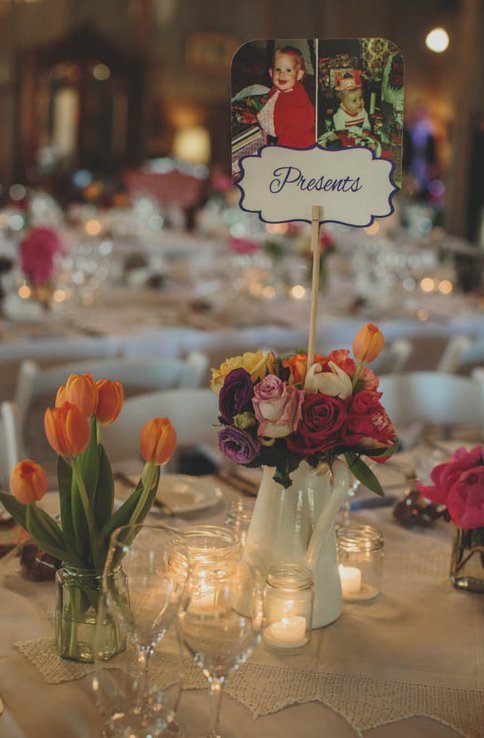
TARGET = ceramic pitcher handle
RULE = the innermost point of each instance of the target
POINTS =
(325, 522)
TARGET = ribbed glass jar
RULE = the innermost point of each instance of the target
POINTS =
(360, 558)
(288, 607)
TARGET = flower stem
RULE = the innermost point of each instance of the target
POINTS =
(86, 507)
(148, 478)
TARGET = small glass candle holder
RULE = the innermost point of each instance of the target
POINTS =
(360, 556)
(238, 516)
(288, 607)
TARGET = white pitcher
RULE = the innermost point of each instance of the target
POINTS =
(297, 525)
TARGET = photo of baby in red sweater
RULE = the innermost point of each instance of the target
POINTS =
(274, 88)
(288, 117)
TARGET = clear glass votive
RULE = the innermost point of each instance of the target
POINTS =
(288, 607)
(238, 515)
(360, 557)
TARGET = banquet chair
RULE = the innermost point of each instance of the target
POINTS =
(9, 446)
(36, 387)
(462, 354)
(416, 400)
(193, 413)
(393, 358)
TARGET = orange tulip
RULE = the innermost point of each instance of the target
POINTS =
(60, 397)
(298, 366)
(158, 441)
(110, 401)
(28, 482)
(67, 429)
(368, 343)
(81, 390)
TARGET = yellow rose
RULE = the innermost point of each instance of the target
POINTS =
(254, 363)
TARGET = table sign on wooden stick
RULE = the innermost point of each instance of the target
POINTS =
(298, 157)
(316, 253)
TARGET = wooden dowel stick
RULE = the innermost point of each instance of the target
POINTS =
(316, 215)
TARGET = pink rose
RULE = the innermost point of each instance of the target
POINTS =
(459, 485)
(277, 407)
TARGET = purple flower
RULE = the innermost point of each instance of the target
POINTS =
(238, 445)
(235, 395)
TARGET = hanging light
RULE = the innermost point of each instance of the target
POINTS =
(437, 40)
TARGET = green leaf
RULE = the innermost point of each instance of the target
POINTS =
(89, 461)
(64, 479)
(104, 500)
(150, 498)
(363, 473)
(49, 525)
(35, 524)
(14, 508)
(122, 516)
(79, 525)
(284, 468)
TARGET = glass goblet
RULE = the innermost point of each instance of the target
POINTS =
(221, 618)
(144, 601)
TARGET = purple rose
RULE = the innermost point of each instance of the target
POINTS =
(235, 395)
(238, 445)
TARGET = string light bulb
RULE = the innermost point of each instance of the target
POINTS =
(437, 40)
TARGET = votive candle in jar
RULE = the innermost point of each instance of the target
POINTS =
(360, 557)
(288, 607)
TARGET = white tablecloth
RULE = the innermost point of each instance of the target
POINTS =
(410, 663)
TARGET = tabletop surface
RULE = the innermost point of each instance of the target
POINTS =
(410, 663)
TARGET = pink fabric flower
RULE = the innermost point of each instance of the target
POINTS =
(459, 485)
(37, 252)
(277, 407)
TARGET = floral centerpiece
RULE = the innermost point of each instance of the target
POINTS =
(38, 252)
(276, 412)
(459, 485)
(74, 427)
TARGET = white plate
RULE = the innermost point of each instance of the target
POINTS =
(183, 493)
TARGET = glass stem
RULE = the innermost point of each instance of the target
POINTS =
(216, 687)
(144, 656)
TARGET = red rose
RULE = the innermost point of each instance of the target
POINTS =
(367, 422)
(321, 419)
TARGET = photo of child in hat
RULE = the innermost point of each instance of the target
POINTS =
(351, 113)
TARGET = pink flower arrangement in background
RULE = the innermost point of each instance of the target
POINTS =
(459, 485)
(37, 254)
(276, 412)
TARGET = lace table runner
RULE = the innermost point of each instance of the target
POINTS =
(364, 702)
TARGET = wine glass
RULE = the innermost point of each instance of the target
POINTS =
(143, 583)
(221, 618)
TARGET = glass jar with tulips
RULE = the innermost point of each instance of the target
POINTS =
(86, 494)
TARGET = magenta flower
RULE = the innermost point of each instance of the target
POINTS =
(459, 485)
(37, 253)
